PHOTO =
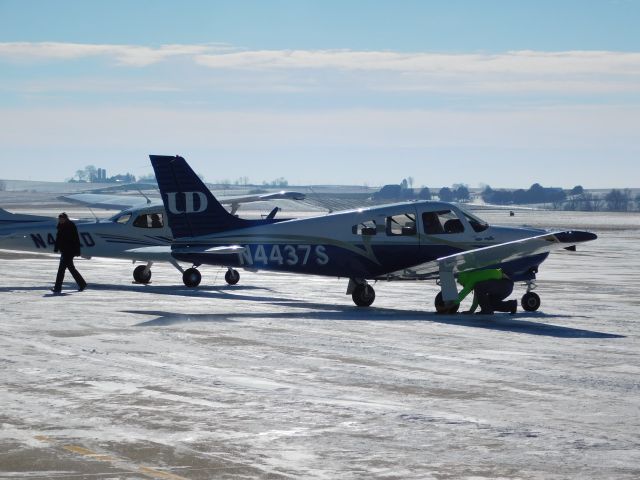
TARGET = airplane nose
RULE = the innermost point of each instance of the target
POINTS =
(576, 236)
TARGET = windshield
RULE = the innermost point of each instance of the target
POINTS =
(121, 218)
(476, 223)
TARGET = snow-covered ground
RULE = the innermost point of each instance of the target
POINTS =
(281, 376)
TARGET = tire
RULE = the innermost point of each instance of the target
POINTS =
(363, 295)
(232, 276)
(442, 309)
(530, 301)
(191, 277)
(142, 274)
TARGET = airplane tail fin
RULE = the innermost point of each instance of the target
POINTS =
(192, 210)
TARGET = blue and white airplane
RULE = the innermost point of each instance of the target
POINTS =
(404, 241)
(141, 222)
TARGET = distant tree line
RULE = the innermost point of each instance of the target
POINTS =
(535, 194)
(405, 191)
(575, 199)
(619, 200)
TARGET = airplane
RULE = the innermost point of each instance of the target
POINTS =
(141, 222)
(415, 240)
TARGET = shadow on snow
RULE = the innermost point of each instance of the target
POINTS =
(497, 322)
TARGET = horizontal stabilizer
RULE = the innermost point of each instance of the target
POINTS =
(163, 253)
(13, 219)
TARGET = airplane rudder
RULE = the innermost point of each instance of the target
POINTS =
(191, 207)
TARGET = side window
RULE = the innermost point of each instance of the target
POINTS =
(156, 220)
(141, 221)
(365, 228)
(404, 224)
(149, 220)
(441, 222)
(122, 219)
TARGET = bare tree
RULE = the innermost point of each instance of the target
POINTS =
(618, 200)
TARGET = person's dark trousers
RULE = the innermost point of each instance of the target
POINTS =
(66, 262)
(491, 294)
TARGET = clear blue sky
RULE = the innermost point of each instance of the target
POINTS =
(505, 93)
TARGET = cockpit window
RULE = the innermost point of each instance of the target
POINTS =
(122, 219)
(365, 228)
(477, 224)
(404, 224)
(441, 222)
(149, 220)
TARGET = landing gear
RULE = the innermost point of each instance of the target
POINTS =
(530, 301)
(191, 277)
(232, 276)
(363, 295)
(442, 308)
(142, 273)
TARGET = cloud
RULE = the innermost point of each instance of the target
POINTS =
(129, 55)
(221, 56)
(572, 72)
(518, 62)
(516, 72)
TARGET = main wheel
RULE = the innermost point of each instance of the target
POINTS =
(142, 274)
(530, 301)
(363, 295)
(232, 276)
(442, 308)
(191, 277)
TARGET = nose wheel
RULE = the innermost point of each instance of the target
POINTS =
(363, 295)
(232, 276)
(530, 301)
(191, 277)
(142, 274)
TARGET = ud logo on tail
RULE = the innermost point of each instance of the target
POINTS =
(189, 202)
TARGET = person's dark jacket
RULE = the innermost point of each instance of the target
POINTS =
(67, 239)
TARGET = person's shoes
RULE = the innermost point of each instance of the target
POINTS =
(485, 312)
(56, 290)
(513, 307)
(84, 287)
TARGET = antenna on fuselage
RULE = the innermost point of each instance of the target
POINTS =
(94, 214)
(147, 198)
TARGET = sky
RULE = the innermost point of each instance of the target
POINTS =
(495, 92)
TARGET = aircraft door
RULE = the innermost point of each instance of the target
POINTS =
(401, 243)
(443, 232)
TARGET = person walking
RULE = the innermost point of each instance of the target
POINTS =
(490, 288)
(68, 244)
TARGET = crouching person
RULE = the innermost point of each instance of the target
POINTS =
(490, 288)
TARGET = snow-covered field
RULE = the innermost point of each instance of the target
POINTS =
(281, 376)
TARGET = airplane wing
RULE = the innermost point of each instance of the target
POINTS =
(108, 202)
(124, 202)
(494, 254)
(235, 202)
(284, 194)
